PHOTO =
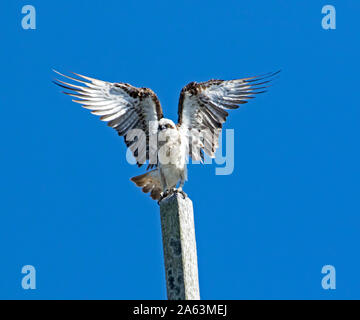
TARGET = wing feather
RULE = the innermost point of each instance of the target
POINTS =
(123, 106)
(202, 107)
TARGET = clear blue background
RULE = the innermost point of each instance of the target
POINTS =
(290, 207)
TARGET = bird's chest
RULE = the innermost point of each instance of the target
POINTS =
(171, 149)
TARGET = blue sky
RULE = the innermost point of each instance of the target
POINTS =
(291, 205)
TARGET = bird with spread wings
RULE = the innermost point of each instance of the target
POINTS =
(136, 114)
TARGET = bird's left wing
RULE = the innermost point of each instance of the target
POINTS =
(124, 107)
(202, 109)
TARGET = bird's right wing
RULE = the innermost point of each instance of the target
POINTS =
(124, 107)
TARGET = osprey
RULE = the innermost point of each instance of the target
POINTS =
(136, 114)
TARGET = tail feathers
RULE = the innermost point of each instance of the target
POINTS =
(149, 182)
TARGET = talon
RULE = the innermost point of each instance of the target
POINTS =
(170, 191)
(183, 194)
(180, 190)
(162, 196)
(165, 194)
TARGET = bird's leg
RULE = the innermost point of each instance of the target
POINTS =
(163, 185)
(181, 185)
(166, 191)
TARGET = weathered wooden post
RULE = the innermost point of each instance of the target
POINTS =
(178, 234)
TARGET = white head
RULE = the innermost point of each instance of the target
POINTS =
(166, 124)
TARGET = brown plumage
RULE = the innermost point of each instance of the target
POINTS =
(149, 182)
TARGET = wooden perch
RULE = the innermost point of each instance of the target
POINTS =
(178, 234)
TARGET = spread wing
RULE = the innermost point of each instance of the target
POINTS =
(202, 109)
(123, 107)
